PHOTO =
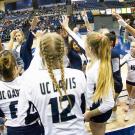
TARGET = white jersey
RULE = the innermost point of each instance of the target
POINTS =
(83, 59)
(92, 77)
(58, 117)
(131, 67)
(9, 95)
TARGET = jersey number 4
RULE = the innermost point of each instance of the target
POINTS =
(65, 114)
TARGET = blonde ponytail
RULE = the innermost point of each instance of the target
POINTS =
(101, 50)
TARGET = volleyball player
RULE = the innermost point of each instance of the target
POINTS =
(128, 58)
(9, 94)
(130, 80)
(57, 93)
(115, 59)
(100, 100)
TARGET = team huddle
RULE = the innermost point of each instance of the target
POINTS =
(45, 95)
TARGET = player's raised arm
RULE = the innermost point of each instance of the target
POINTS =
(87, 23)
(64, 24)
(121, 22)
(12, 39)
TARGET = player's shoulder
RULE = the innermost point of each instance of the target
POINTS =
(91, 69)
(31, 74)
(75, 72)
(13, 83)
(128, 56)
(114, 53)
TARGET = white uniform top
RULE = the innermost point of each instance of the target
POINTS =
(83, 59)
(65, 120)
(130, 65)
(92, 77)
(9, 93)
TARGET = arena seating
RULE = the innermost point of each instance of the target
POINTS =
(50, 15)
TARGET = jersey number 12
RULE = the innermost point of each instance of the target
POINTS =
(64, 115)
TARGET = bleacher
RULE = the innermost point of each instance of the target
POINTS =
(114, 4)
(51, 14)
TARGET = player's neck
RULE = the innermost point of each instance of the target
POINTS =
(7, 79)
(55, 65)
(133, 55)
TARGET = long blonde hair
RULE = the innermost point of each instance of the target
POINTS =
(100, 48)
(52, 51)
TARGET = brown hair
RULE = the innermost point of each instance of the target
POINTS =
(7, 65)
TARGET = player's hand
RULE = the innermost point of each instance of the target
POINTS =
(117, 16)
(13, 33)
(87, 116)
(64, 22)
(1, 129)
(83, 13)
(34, 22)
(120, 20)
(127, 21)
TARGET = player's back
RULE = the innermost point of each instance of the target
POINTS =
(9, 94)
(59, 114)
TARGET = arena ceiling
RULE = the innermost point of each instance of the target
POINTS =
(9, 1)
